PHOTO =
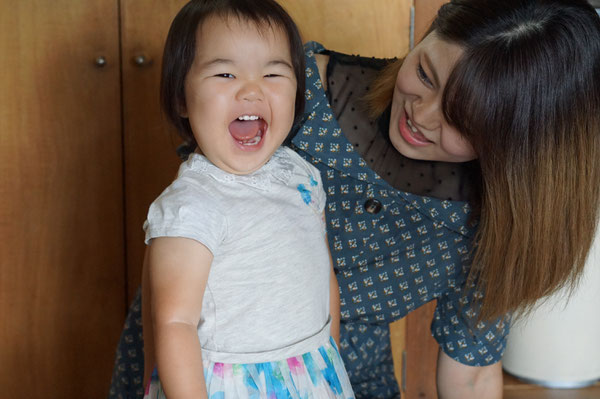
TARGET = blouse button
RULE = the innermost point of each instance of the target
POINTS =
(373, 206)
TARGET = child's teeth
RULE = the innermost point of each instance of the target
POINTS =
(248, 118)
(255, 140)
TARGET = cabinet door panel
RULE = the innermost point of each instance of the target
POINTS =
(376, 28)
(62, 253)
(150, 159)
(421, 354)
(425, 12)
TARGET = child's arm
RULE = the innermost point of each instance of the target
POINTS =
(147, 330)
(178, 271)
(334, 302)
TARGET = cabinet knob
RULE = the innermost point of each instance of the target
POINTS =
(141, 60)
(100, 61)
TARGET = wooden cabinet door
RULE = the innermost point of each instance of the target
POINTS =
(424, 13)
(149, 142)
(61, 220)
(374, 28)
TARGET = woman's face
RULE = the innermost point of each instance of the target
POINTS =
(418, 129)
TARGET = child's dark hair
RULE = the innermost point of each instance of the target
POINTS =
(180, 49)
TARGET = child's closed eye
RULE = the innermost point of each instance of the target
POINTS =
(225, 75)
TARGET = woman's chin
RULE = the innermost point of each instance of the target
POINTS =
(403, 147)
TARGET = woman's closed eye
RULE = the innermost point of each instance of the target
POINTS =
(423, 76)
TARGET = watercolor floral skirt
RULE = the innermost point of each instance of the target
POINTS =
(314, 375)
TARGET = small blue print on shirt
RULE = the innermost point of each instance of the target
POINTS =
(305, 193)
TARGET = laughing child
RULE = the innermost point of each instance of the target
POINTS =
(240, 298)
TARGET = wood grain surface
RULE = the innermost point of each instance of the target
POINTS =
(61, 220)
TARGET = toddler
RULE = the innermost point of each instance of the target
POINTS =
(240, 298)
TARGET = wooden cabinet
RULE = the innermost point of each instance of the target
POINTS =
(62, 260)
(149, 143)
(84, 149)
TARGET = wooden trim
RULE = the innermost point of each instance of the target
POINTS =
(421, 354)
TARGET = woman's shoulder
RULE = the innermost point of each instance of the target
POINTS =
(317, 50)
(326, 59)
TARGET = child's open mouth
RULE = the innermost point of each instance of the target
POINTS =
(248, 130)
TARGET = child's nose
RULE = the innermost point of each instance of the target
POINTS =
(250, 91)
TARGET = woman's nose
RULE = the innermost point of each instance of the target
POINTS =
(250, 91)
(427, 113)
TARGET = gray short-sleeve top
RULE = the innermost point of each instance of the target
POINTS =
(267, 295)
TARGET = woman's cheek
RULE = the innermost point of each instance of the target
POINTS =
(456, 145)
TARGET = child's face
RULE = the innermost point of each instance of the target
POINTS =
(240, 93)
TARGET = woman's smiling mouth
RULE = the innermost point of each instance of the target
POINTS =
(410, 133)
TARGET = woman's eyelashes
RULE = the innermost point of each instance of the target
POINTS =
(423, 76)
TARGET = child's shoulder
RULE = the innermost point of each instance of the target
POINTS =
(301, 164)
(192, 186)
(293, 157)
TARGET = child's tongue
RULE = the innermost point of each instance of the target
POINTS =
(245, 130)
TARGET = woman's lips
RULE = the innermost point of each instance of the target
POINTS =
(412, 137)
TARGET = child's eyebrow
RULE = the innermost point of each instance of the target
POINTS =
(216, 61)
(226, 61)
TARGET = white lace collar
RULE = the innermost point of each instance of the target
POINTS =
(279, 167)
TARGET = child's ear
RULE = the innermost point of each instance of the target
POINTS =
(182, 109)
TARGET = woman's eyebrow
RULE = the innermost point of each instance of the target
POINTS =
(431, 68)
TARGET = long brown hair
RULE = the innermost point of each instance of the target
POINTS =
(526, 93)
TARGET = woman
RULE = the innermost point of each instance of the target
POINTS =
(507, 94)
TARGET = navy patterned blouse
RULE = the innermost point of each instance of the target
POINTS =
(393, 251)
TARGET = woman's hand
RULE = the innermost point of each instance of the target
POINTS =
(456, 380)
